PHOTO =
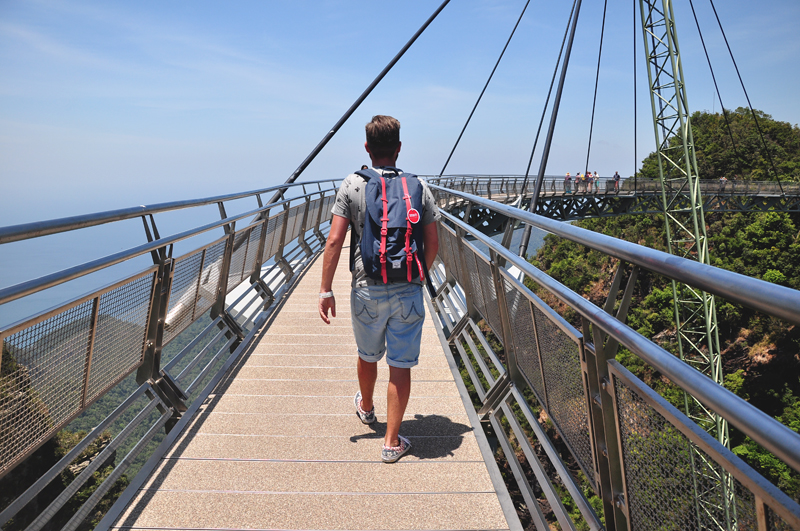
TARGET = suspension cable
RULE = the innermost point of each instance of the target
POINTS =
(547, 100)
(750, 106)
(484, 88)
(716, 88)
(356, 104)
(635, 110)
(596, 82)
(526, 235)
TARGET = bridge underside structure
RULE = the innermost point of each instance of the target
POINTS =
(641, 197)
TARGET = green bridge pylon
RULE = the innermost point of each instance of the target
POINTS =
(695, 311)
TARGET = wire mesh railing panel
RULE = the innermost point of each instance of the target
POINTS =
(445, 253)
(120, 334)
(298, 222)
(291, 224)
(41, 383)
(272, 238)
(313, 212)
(236, 268)
(566, 397)
(458, 260)
(327, 206)
(183, 293)
(524, 339)
(453, 253)
(252, 251)
(671, 483)
(473, 277)
(210, 278)
(455, 256)
(775, 522)
(492, 312)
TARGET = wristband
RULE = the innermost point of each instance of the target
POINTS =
(326, 295)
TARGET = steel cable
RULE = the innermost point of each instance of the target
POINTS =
(526, 235)
(484, 88)
(311, 156)
(635, 110)
(716, 88)
(596, 83)
(547, 100)
(750, 106)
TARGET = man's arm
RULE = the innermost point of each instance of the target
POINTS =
(430, 239)
(333, 248)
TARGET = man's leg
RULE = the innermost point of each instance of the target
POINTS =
(367, 375)
(397, 399)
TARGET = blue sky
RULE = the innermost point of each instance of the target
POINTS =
(113, 104)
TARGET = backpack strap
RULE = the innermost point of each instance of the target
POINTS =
(384, 229)
(409, 229)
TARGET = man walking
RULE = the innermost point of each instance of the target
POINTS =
(387, 316)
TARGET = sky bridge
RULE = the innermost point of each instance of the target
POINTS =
(240, 416)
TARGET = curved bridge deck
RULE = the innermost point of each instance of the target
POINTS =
(278, 446)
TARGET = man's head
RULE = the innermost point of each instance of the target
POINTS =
(383, 138)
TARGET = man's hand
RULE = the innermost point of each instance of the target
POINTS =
(325, 305)
(333, 248)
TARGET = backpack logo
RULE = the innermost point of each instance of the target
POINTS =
(413, 216)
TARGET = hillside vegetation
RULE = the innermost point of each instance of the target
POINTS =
(761, 355)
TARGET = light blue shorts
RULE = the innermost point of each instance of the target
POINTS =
(388, 318)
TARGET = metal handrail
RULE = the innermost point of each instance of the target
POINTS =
(47, 281)
(762, 428)
(766, 297)
(554, 184)
(24, 231)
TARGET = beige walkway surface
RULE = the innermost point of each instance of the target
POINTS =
(278, 446)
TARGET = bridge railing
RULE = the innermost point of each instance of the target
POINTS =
(160, 338)
(649, 464)
(499, 187)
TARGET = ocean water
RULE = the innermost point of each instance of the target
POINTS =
(28, 260)
(32, 259)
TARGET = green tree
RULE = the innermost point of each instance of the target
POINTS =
(738, 152)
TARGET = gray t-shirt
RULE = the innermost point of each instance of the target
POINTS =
(351, 204)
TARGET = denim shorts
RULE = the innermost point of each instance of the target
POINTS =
(388, 318)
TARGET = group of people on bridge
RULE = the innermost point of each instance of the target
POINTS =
(587, 183)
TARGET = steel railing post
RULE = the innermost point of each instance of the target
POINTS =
(260, 249)
(502, 308)
(603, 428)
(87, 368)
(279, 259)
(151, 364)
(301, 238)
(219, 309)
(318, 221)
(472, 312)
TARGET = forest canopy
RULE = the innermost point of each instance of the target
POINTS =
(738, 152)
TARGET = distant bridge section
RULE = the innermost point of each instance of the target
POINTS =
(579, 200)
